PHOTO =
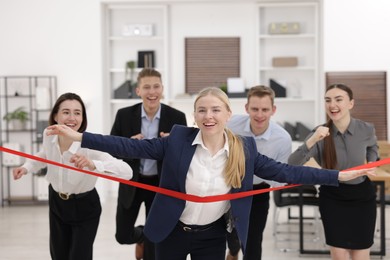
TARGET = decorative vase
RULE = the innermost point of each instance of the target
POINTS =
(18, 125)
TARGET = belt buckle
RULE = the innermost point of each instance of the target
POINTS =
(64, 196)
(187, 229)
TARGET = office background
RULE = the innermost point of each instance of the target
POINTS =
(64, 38)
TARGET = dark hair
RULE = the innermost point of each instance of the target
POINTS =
(56, 107)
(261, 91)
(330, 156)
(148, 72)
(342, 87)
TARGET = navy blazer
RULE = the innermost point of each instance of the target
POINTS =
(177, 151)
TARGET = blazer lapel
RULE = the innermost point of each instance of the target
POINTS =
(136, 124)
(164, 124)
(188, 151)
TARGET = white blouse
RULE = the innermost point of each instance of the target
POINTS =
(74, 182)
(205, 177)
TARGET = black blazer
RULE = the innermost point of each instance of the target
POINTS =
(128, 123)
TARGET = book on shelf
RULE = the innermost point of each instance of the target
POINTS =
(146, 59)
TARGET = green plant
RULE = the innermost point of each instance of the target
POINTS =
(130, 68)
(223, 87)
(18, 114)
(132, 84)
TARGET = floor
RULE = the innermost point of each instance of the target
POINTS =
(24, 234)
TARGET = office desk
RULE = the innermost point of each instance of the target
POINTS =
(379, 182)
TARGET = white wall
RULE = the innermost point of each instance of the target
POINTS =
(61, 38)
(356, 35)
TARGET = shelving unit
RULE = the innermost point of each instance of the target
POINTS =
(303, 82)
(37, 95)
(123, 39)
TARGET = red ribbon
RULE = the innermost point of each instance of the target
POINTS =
(176, 194)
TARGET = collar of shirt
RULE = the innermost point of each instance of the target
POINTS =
(266, 135)
(144, 115)
(351, 128)
(198, 140)
(72, 149)
(54, 139)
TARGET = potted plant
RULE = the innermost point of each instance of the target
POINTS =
(132, 84)
(223, 87)
(18, 117)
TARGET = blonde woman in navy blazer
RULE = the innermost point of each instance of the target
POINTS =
(204, 161)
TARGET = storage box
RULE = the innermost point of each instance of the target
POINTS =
(284, 28)
(137, 30)
(285, 61)
(235, 85)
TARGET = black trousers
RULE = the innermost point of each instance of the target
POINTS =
(209, 244)
(126, 232)
(257, 221)
(73, 225)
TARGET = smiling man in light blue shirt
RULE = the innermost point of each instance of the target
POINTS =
(273, 141)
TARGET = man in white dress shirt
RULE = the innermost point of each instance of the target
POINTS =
(273, 141)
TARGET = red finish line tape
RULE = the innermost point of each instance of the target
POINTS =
(176, 194)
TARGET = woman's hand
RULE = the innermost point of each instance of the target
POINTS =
(320, 133)
(65, 131)
(138, 136)
(80, 161)
(162, 134)
(19, 172)
(349, 175)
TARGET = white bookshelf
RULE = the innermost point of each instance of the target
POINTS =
(304, 83)
(121, 45)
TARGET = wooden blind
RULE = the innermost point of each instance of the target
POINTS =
(369, 90)
(210, 61)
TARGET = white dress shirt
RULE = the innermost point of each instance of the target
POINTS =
(205, 177)
(74, 182)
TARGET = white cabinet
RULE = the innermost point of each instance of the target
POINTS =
(292, 30)
(127, 30)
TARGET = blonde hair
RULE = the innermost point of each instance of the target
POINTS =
(235, 166)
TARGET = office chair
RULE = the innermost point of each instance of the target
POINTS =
(288, 198)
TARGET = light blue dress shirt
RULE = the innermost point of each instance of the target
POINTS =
(149, 129)
(275, 142)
